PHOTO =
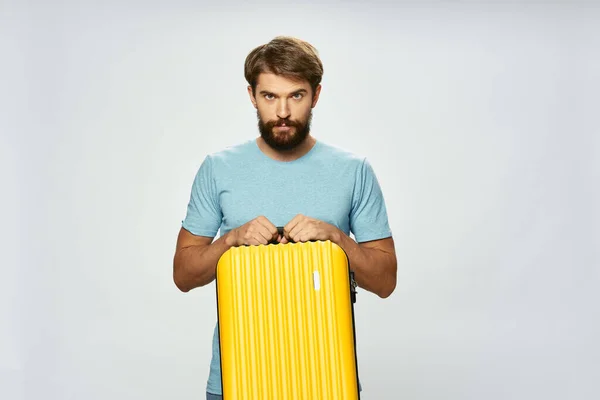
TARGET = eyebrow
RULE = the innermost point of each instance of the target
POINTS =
(263, 92)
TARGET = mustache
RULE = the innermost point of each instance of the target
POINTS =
(281, 122)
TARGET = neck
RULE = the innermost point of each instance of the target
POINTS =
(286, 155)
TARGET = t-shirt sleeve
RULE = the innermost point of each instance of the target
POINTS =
(204, 214)
(368, 216)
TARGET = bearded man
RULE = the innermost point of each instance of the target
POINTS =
(284, 177)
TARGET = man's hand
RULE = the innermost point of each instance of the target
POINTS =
(373, 262)
(303, 229)
(258, 231)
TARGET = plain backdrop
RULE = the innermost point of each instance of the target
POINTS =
(480, 119)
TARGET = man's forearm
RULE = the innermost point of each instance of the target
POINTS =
(374, 269)
(195, 266)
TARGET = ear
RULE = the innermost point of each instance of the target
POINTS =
(316, 96)
(252, 98)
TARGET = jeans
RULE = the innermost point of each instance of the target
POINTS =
(210, 396)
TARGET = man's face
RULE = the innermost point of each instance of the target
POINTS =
(284, 110)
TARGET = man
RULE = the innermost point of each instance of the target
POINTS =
(285, 177)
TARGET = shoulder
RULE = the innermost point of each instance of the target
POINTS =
(339, 154)
(234, 151)
(231, 154)
(350, 163)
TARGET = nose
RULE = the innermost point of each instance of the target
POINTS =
(283, 110)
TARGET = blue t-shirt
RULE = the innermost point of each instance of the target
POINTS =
(240, 183)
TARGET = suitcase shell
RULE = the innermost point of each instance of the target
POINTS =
(286, 322)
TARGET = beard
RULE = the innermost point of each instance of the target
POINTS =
(284, 141)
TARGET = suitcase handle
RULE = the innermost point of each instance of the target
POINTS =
(280, 231)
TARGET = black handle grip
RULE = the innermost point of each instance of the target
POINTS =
(280, 232)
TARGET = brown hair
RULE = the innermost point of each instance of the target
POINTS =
(286, 56)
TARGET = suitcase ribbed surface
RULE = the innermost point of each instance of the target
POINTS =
(285, 322)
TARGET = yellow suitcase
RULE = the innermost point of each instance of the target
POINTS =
(286, 322)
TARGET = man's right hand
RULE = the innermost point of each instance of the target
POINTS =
(258, 231)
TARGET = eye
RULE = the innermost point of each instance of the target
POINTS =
(297, 96)
(269, 96)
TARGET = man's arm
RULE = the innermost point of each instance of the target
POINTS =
(196, 257)
(374, 262)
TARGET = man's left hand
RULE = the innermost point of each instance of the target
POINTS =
(303, 229)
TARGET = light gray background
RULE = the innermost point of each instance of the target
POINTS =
(480, 120)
